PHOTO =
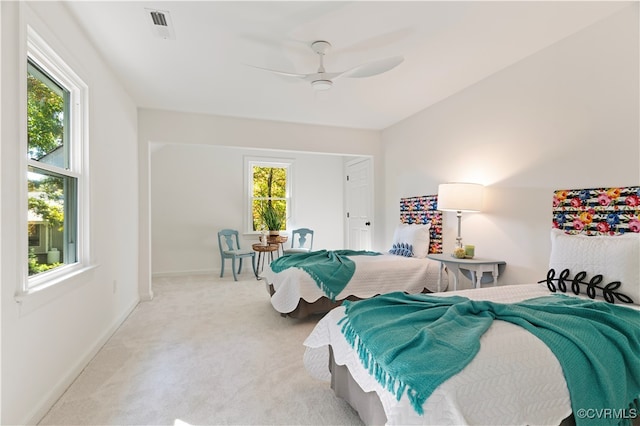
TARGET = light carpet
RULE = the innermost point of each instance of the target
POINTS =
(204, 351)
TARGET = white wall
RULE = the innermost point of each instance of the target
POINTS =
(283, 139)
(566, 117)
(197, 190)
(49, 338)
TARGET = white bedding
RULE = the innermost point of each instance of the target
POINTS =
(514, 378)
(374, 275)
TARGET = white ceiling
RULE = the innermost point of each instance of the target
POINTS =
(447, 46)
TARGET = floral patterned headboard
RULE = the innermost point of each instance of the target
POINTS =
(423, 210)
(597, 211)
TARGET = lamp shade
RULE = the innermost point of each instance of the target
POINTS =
(464, 197)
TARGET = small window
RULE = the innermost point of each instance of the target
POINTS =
(269, 195)
(54, 169)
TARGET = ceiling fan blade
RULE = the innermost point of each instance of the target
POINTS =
(373, 68)
(285, 73)
(322, 80)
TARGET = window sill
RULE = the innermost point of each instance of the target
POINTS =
(52, 288)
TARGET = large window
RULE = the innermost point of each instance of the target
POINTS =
(269, 194)
(54, 164)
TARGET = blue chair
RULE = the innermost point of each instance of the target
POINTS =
(301, 241)
(229, 244)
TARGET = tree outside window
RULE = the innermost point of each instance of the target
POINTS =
(50, 183)
(269, 196)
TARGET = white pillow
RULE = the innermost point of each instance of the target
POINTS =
(616, 258)
(414, 235)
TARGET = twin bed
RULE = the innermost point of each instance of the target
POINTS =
(545, 367)
(297, 292)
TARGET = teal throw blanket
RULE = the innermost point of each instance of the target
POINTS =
(330, 269)
(413, 343)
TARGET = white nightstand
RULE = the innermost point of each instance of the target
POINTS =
(476, 267)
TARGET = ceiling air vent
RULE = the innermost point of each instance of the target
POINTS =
(161, 24)
(159, 18)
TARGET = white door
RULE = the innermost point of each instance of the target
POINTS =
(359, 204)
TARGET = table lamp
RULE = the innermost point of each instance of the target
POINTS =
(460, 197)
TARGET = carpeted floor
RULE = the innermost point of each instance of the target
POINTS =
(204, 351)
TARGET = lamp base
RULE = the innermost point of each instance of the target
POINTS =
(458, 251)
(459, 243)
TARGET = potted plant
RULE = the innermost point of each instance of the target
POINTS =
(272, 220)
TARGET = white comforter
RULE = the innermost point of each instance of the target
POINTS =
(514, 378)
(374, 275)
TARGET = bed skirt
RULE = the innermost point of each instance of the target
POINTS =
(320, 306)
(368, 405)
(304, 308)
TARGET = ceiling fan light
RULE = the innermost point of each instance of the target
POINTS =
(322, 84)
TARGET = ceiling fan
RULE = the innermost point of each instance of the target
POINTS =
(322, 80)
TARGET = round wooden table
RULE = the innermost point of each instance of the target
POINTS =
(278, 241)
(269, 248)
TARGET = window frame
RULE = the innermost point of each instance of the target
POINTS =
(250, 162)
(48, 61)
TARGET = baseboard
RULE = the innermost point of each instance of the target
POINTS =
(181, 273)
(59, 389)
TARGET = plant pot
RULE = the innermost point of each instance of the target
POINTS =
(274, 232)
